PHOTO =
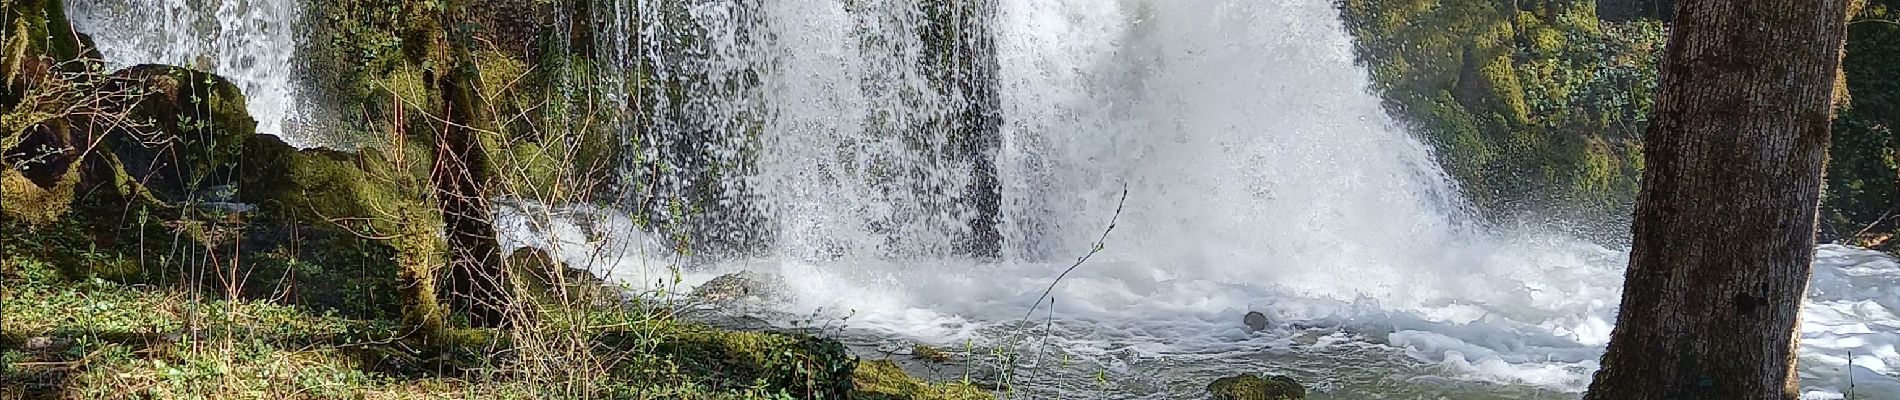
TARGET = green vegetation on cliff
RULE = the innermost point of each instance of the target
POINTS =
(1531, 105)
(1862, 197)
(1539, 106)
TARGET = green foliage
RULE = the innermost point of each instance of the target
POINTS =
(806, 367)
(1543, 107)
(359, 43)
(1862, 199)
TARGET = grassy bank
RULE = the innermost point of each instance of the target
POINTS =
(97, 338)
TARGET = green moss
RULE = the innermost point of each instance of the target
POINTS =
(366, 194)
(33, 205)
(95, 236)
(1253, 387)
(404, 83)
(501, 75)
(1514, 98)
(1500, 79)
(929, 353)
(367, 190)
(884, 380)
(39, 28)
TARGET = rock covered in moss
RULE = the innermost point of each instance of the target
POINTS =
(39, 28)
(321, 184)
(186, 132)
(885, 380)
(550, 281)
(31, 202)
(801, 366)
(46, 73)
(1254, 387)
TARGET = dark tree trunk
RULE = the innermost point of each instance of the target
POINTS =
(464, 179)
(1724, 227)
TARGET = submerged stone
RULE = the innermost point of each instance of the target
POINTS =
(1255, 321)
(1254, 387)
(742, 286)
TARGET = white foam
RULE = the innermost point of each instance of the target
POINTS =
(1853, 300)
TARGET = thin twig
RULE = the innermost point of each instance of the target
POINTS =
(1877, 221)
(1095, 248)
(1881, 21)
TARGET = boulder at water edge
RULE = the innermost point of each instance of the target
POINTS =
(1254, 387)
(194, 127)
(741, 287)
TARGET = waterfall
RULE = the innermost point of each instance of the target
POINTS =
(253, 43)
(926, 169)
(1245, 135)
(814, 129)
(868, 149)
(1250, 144)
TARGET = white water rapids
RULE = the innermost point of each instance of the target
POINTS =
(1262, 176)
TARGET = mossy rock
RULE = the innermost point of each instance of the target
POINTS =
(198, 125)
(799, 365)
(36, 203)
(1511, 96)
(88, 226)
(322, 185)
(39, 29)
(368, 191)
(884, 380)
(321, 269)
(1254, 387)
(550, 283)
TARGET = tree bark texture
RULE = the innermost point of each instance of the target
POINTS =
(464, 178)
(1724, 227)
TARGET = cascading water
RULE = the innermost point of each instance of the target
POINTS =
(250, 42)
(863, 148)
